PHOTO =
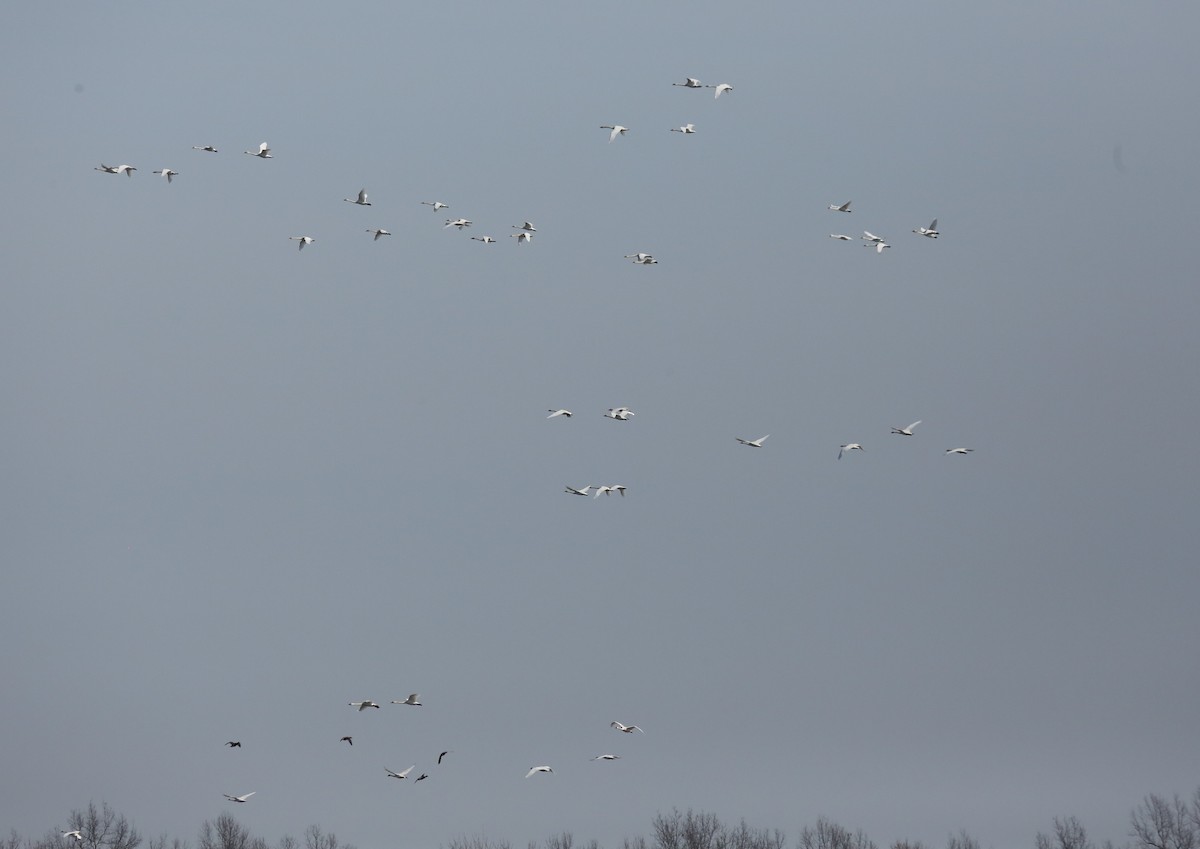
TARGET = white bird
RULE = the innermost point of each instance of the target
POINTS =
(849, 446)
(413, 699)
(689, 82)
(77, 834)
(206, 147)
(436, 204)
(647, 261)
(617, 130)
(621, 414)
(959, 450)
(363, 705)
(487, 240)
(457, 222)
(378, 233)
(525, 226)
(906, 431)
(639, 257)
(618, 488)
(263, 152)
(628, 729)
(753, 443)
(403, 774)
(845, 207)
(239, 798)
(868, 236)
(931, 231)
(166, 172)
(583, 491)
(361, 200)
(840, 236)
(554, 413)
(686, 129)
(303, 240)
(534, 770)
(720, 89)
(523, 238)
(602, 489)
(127, 170)
(879, 246)
(606, 758)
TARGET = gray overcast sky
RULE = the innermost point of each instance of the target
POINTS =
(244, 485)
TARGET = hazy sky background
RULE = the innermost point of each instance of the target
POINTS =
(244, 485)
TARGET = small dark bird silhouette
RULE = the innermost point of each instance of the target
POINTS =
(234, 744)
(442, 755)
(346, 740)
(421, 777)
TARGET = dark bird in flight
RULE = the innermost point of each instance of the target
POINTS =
(421, 777)
(442, 755)
(234, 744)
(346, 740)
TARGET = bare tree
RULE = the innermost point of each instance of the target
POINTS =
(477, 841)
(562, 840)
(104, 828)
(830, 835)
(907, 844)
(288, 842)
(1069, 833)
(1159, 823)
(638, 842)
(225, 833)
(164, 842)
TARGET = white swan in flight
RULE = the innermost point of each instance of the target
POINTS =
(525, 225)
(487, 240)
(523, 238)
(849, 446)
(689, 82)
(720, 89)
(413, 699)
(628, 729)
(239, 798)
(583, 491)
(843, 208)
(457, 222)
(753, 443)
(127, 170)
(639, 257)
(959, 450)
(554, 413)
(361, 200)
(621, 414)
(840, 236)
(906, 431)
(401, 774)
(363, 705)
(534, 770)
(606, 758)
(436, 204)
(303, 240)
(617, 130)
(868, 236)
(77, 834)
(879, 246)
(205, 147)
(686, 129)
(378, 233)
(166, 172)
(931, 231)
(263, 152)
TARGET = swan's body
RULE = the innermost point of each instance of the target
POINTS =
(607, 758)
(77, 834)
(378, 233)
(401, 774)
(959, 450)
(720, 89)
(868, 236)
(263, 152)
(413, 699)
(840, 236)
(525, 226)
(457, 222)
(583, 491)
(639, 257)
(906, 431)
(686, 129)
(487, 240)
(931, 231)
(554, 413)
(879, 246)
(205, 147)
(166, 172)
(628, 729)
(849, 446)
(361, 200)
(303, 240)
(621, 414)
(753, 443)
(239, 798)
(534, 770)
(363, 705)
(689, 82)
(523, 238)
(617, 130)
(843, 208)
(436, 204)
(602, 489)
